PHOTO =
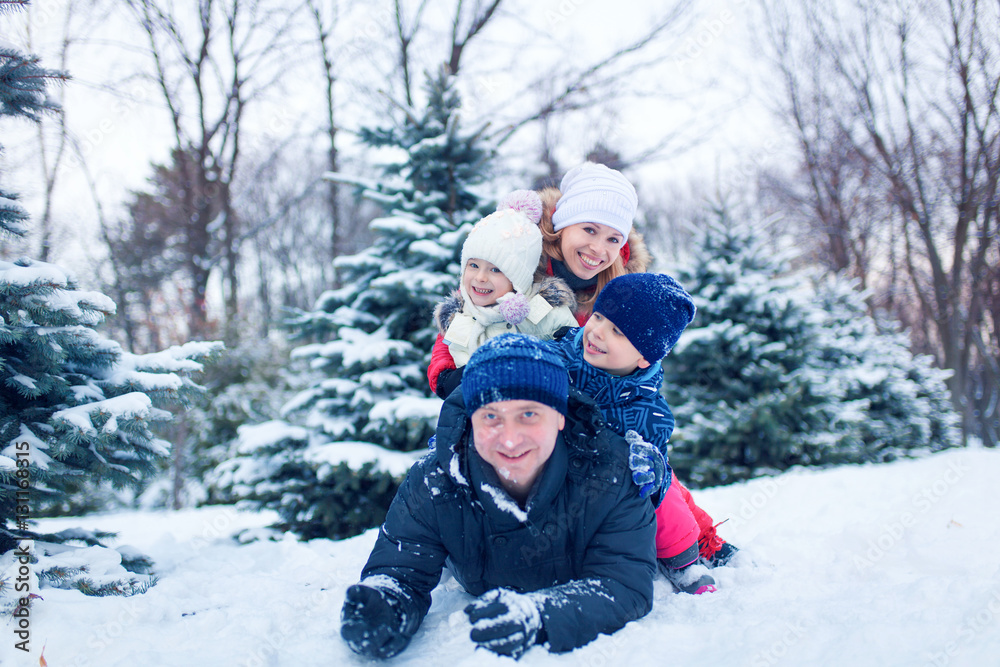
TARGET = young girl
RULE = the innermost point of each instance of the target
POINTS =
(587, 233)
(497, 292)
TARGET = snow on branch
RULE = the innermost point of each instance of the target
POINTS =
(163, 371)
(325, 457)
(404, 226)
(179, 358)
(254, 437)
(47, 287)
(355, 347)
(134, 405)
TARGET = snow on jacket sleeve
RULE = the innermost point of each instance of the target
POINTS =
(616, 583)
(441, 360)
(408, 548)
(659, 424)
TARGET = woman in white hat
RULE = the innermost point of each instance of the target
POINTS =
(587, 234)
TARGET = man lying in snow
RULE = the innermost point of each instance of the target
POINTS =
(530, 503)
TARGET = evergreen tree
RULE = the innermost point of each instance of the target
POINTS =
(75, 409)
(372, 337)
(247, 384)
(776, 374)
(23, 83)
(905, 399)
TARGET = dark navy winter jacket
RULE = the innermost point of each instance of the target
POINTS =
(630, 402)
(584, 545)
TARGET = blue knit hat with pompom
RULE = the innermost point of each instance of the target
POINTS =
(514, 367)
(651, 309)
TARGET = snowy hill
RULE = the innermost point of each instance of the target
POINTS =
(895, 564)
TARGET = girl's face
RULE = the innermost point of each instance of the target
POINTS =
(484, 282)
(589, 247)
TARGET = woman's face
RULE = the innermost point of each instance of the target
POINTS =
(589, 247)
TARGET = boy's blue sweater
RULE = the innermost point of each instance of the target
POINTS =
(630, 402)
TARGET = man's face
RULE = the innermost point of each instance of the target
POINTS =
(516, 438)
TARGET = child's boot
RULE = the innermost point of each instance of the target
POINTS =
(721, 556)
(686, 573)
(715, 551)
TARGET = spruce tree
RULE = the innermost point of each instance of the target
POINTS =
(772, 375)
(23, 83)
(370, 340)
(903, 396)
(75, 409)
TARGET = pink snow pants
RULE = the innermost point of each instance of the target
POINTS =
(676, 526)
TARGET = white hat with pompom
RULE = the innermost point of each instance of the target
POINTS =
(509, 239)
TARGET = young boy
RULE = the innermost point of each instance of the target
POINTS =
(615, 358)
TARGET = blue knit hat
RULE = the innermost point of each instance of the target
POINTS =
(651, 309)
(514, 367)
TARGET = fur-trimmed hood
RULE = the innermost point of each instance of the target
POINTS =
(553, 290)
(640, 259)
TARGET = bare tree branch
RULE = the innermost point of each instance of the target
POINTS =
(572, 95)
(460, 39)
(914, 90)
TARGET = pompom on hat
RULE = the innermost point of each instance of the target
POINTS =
(509, 239)
(651, 309)
(514, 367)
(592, 192)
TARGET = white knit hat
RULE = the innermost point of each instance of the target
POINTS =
(595, 193)
(509, 239)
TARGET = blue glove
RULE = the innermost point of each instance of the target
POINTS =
(371, 622)
(647, 464)
(504, 622)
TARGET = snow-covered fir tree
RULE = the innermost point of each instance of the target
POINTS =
(325, 469)
(75, 409)
(905, 399)
(776, 373)
(248, 383)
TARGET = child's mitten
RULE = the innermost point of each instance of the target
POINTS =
(648, 466)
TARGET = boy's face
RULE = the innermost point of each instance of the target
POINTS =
(607, 348)
(484, 282)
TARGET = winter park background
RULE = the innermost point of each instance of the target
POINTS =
(222, 234)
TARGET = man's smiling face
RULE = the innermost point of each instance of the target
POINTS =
(517, 438)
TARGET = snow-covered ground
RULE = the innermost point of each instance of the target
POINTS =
(895, 564)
